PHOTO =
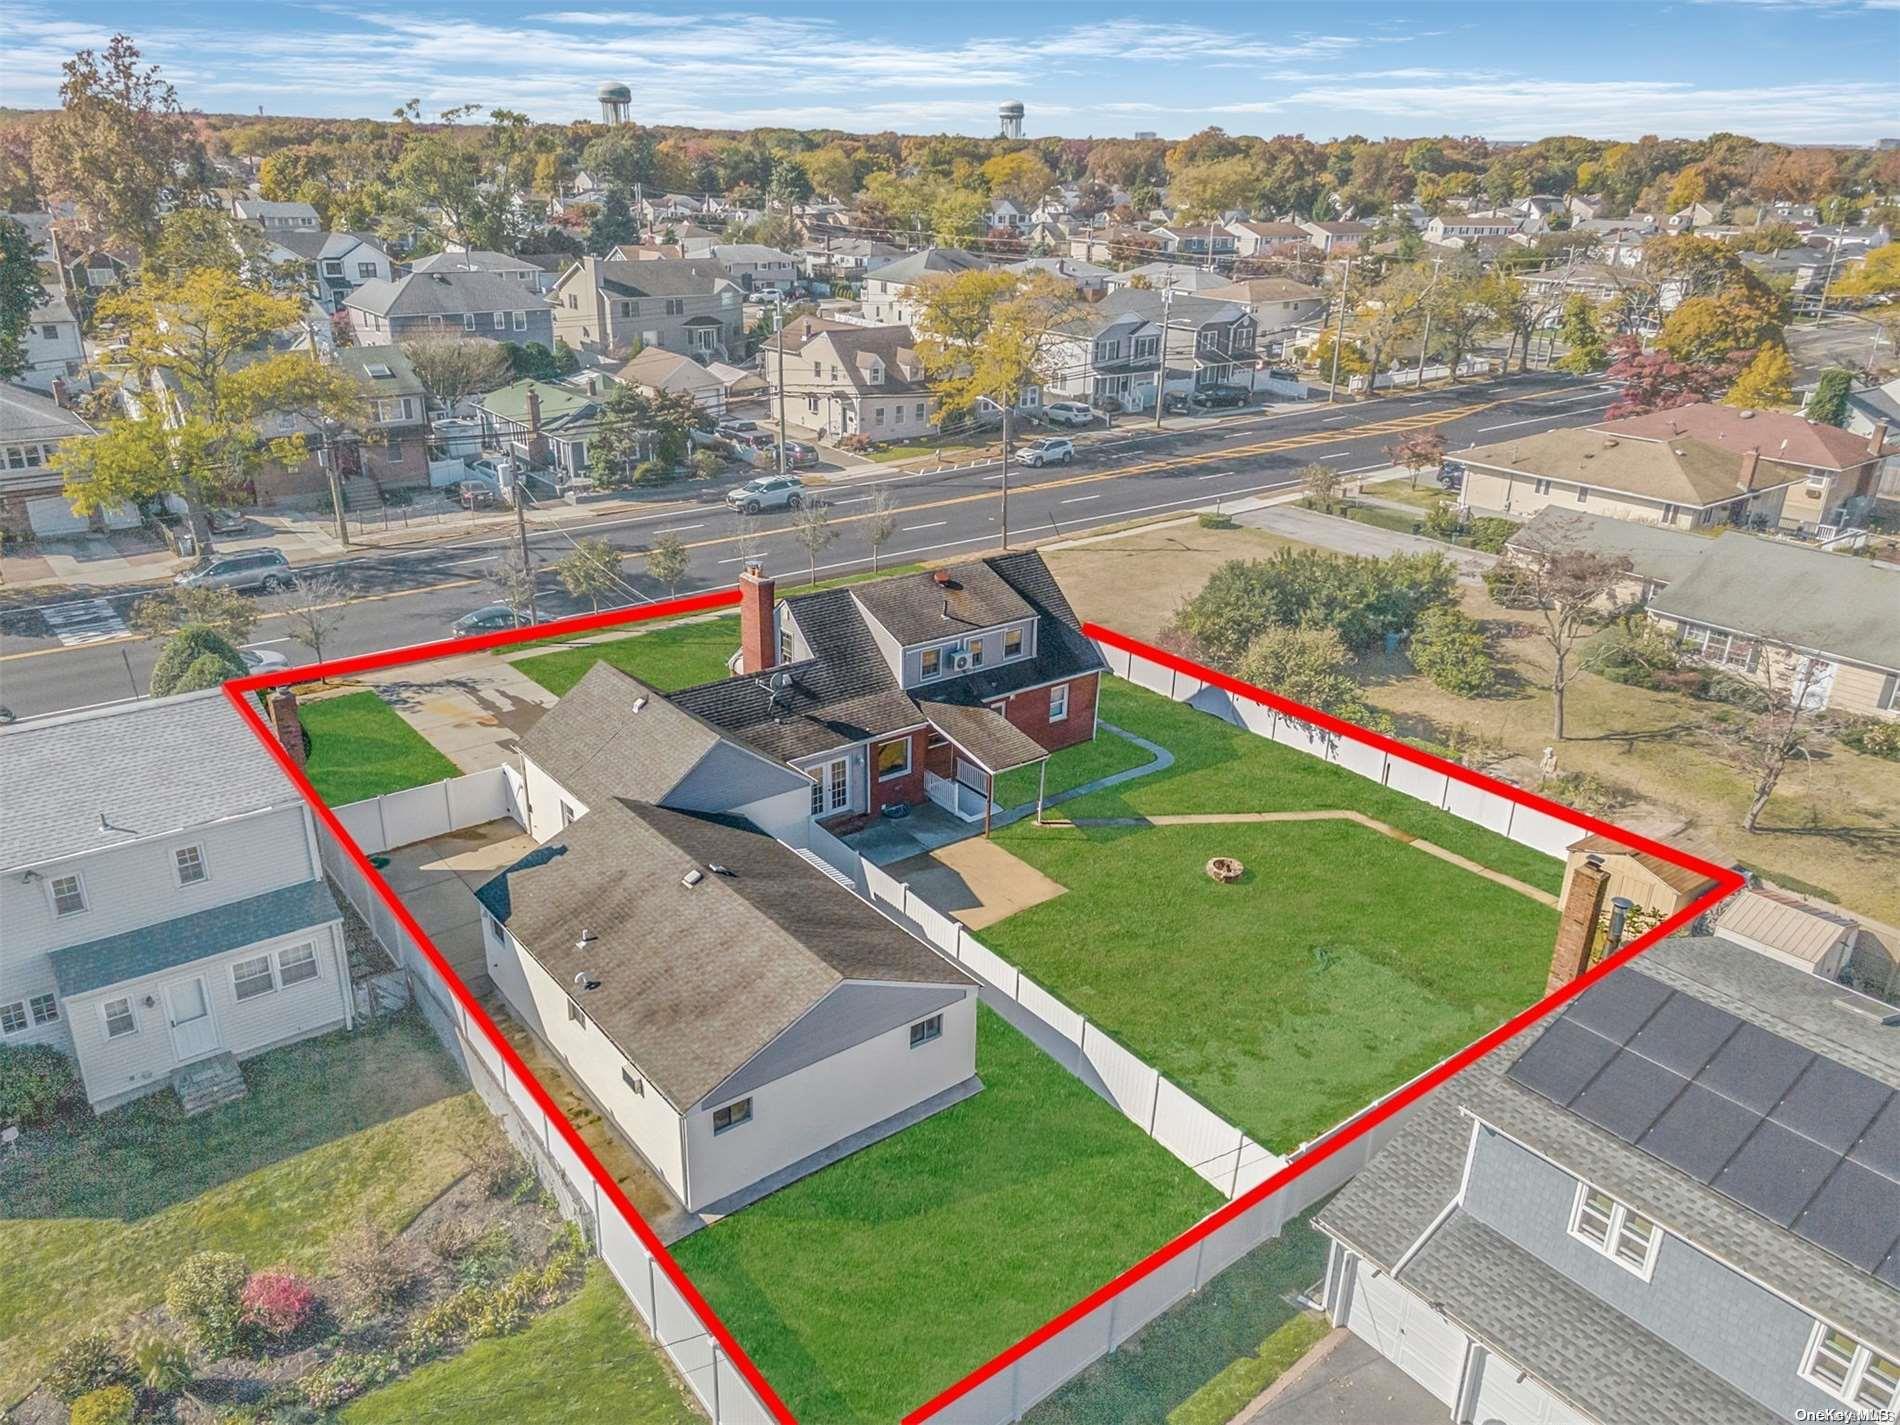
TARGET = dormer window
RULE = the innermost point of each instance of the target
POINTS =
(1850, 1371)
(1012, 643)
(930, 663)
(1627, 1238)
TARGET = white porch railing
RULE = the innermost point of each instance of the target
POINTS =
(965, 803)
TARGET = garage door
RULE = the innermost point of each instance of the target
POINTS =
(1407, 1332)
(51, 516)
(1508, 1397)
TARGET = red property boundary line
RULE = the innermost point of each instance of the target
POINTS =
(237, 691)
(1727, 883)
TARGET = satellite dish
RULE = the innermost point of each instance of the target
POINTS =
(781, 680)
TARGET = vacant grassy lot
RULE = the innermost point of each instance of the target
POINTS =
(864, 1289)
(1107, 754)
(96, 1213)
(587, 1362)
(1134, 582)
(360, 747)
(667, 658)
(1203, 1359)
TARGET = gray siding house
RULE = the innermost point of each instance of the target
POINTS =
(453, 303)
(688, 305)
(1677, 1199)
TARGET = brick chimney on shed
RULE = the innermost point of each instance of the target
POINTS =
(1577, 923)
(1746, 480)
(284, 722)
(758, 638)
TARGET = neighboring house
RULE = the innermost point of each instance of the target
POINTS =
(686, 305)
(1336, 237)
(889, 295)
(1678, 1199)
(500, 264)
(735, 1013)
(853, 380)
(1457, 229)
(339, 263)
(846, 257)
(392, 449)
(1113, 242)
(1197, 240)
(455, 303)
(1087, 278)
(1111, 350)
(1874, 408)
(162, 894)
(906, 688)
(542, 425)
(1586, 207)
(277, 218)
(1658, 556)
(1809, 938)
(754, 266)
(1176, 275)
(738, 383)
(32, 427)
(52, 343)
(657, 369)
(1006, 216)
(1825, 624)
(1278, 304)
(1688, 467)
(1251, 239)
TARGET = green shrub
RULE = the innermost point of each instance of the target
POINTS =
(1876, 737)
(163, 1364)
(205, 1295)
(36, 1082)
(1735, 691)
(85, 1364)
(345, 1376)
(1218, 522)
(1442, 520)
(114, 1405)
(705, 464)
(178, 662)
(652, 472)
(489, 1258)
(1449, 647)
(1505, 583)
(1490, 533)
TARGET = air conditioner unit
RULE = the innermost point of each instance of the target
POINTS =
(960, 662)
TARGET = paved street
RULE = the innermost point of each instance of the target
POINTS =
(66, 652)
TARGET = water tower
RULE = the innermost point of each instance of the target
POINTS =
(1009, 115)
(616, 104)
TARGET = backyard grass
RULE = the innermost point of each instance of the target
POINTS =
(96, 1213)
(1108, 754)
(1203, 1359)
(360, 747)
(866, 1288)
(587, 1362)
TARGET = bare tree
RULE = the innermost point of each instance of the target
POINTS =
(1764, 735)
(811, 521)
(590, 571)
(1321, 483)
(667, 560)
(880, 522)
(1570, 589)
(513, 580)
(312, 609)
(455, 367)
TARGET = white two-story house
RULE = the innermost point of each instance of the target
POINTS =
(163, 901)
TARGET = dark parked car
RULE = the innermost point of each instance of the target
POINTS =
(798, 455)
(226, 522)
(1451, 475)
(489, 618)
(476, 495)
(1216, 398)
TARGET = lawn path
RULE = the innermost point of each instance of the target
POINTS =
(1383, 828)
(1160, 760)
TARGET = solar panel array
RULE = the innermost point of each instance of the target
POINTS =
(1804, 1141)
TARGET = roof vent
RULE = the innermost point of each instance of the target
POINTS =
(692, 877)
(586, 981)
(1748, 415)
(639, 703)
(586, 941)
(717, 869)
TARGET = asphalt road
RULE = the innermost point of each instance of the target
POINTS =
(412, 596)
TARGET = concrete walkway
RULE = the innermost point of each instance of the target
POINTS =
(473, 709)
(1353, 537)
(1383, 828)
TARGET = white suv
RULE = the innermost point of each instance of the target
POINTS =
(1050, 450)
(1068, 413)
(769, 492)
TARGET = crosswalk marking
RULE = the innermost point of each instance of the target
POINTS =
(84, 621)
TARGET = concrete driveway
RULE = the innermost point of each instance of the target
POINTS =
(1352, 537)
(1343, 1381)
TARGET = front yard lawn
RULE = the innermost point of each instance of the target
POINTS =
(674, 656)
(360, 747)
(97, 1212)
(1109, 753)
(869, 1286)
(587, 1362)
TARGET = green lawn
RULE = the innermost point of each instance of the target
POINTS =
(674, 656)
(1072, 766)
(1204, 1358)
(587, 1362)
(93, 1219)
(863, 1290)
(360, 747)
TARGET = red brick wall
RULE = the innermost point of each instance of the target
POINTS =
(1029, 712)
(909, 788)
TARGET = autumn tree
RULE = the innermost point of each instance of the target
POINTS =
(1657, 381)
(1742, 316)
(1569, 589)
(590, 570)
(1020, 177)
(667, 561)
(193, 238)
(120, 148)
(1767, 382)
(1584, 348)
(453, 368)
(20, 292)
(1417, 451)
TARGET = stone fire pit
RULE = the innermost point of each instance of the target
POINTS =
(1225, 869)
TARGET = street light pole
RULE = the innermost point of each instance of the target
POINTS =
(1425, 341)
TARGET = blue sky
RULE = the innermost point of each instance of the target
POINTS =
(1789, 70)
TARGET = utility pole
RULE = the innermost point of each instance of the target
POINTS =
(1339, 337)
(1425, 341)
(521, 534)
(778, 330)
(326, 454)
(1008, 404)
(1161, 355)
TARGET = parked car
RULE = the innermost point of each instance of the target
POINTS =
(768, 492)
(477, 495)
(1050, 450)
(1069, 413)
(798, 454)
(735, 427)
(489, 618)
(264, 569)
(262, 660)
(226, 522)
(1451, 475)
(1215, 398)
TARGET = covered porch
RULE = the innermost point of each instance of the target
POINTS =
(982, 744)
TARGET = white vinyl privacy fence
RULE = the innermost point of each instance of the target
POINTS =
(561, 1161)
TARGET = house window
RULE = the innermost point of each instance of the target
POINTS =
(1628, 1238)
(13, 1017)
(635, 1084)
(893, 759)
(1541, 487)
(366, 270)
(189, 863)
(1889, 699)
(521, 321)
(50, 332)
(880, 416)
(333, 266)
(676, 306)
(1583, 494)
(501, 321)
(69, 896)
(576, 1015)
(923, 410)
(297, 964)
(45, 1009)
(838, 782)
(732, 1115)
(567, 816)
(1059, 702)
(925, 1030)
(1850, 1371)
(251, 978)
(1012, 642)
(930, 662)
(468, 321)
(973, 650)
(785, 645)
(1669, 514)
(120, 1021)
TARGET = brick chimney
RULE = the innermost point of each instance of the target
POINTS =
(63, 397)
(1746, 480)
(537, 443)
(758, 643)
(1577, 923)
(283, 721)
(1876, 443)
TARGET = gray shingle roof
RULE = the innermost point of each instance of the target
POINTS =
(446, 294)
(148, 768)
(401, 380)
(662, 277)
(1825, 603)
(112, 960)
(1654, 552)
(963, 598)
(27, 415)
(990, 739)
(693, 980)
(918, 265)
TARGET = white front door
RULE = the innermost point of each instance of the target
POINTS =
(188, 1007)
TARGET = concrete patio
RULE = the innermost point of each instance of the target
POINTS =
(473, 709)
(436, 880)
(976, 881)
